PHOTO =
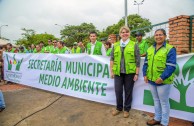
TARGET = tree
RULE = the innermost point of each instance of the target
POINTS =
(30, 37)
(72, 33)
(134, 21)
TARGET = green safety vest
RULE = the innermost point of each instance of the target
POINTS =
(97, 48)
(157, 63)
(129, 52)
(61, 51)
(143, 46)
(108, 52)
(48, 48)
(54, 50)
(34, 51)
(25, 51)
(12, 50)
(77, 50)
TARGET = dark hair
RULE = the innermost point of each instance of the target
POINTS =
(21, 47)
(108, 43)
(42, 42)
(162, 30)
(9, 44)
(61, 42)
(93, 32)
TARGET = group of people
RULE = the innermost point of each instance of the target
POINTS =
(158, 67)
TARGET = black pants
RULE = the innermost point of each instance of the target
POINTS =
(126, 81)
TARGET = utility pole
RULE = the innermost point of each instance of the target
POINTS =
(126, 24)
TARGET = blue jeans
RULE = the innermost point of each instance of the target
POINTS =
(161, 102)
(2, 102)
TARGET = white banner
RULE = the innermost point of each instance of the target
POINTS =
(88, 77)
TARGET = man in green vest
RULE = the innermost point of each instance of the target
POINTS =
(54, 49)
(76, 48)
(61, 49)
(22, 50)
(10, 49)
(143, 46)
(49, 47)
(95, 47)
(38, 49)
(81, 45)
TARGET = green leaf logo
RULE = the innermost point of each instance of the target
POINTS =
(188, 68)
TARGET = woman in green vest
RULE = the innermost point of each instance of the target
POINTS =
(158, 72)
(124, 67)
(107, 45)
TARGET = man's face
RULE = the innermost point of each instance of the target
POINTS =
(75, 46)
(92, 37)
(139, 38)
(59, 45)
(32, 46)
(41, 44)
(55, 43)
(22, 50)
(49, 42)
(37, 47)
(8, 47)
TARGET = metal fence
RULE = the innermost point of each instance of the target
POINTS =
(153, 28)
(191, 31)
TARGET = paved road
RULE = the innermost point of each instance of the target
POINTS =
(66, 111)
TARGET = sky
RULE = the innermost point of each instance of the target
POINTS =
(42, 15)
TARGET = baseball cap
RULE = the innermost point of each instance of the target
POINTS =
(138, 34)
(75, 43)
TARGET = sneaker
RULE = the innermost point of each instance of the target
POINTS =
(115, 112)
(153, 122)
(1, 109)
(126, 114)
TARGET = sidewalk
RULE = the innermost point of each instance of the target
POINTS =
(22, 101)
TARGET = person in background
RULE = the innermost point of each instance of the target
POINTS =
(10, 48)
(61, 49)
(49, 47)
(32, 48)
(112, 39)
(38, 49)
(108, 48)
(22, 50)
(143, 45)
(124, 68)
(54, 49)
(95, 47)
(158, 72)
(76, 48)
(81, 45)
(42, 46)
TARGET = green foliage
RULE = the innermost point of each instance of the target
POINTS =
(72, 33)
(30, 37)
(188, 68)
(150, 40)
(134, 21)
